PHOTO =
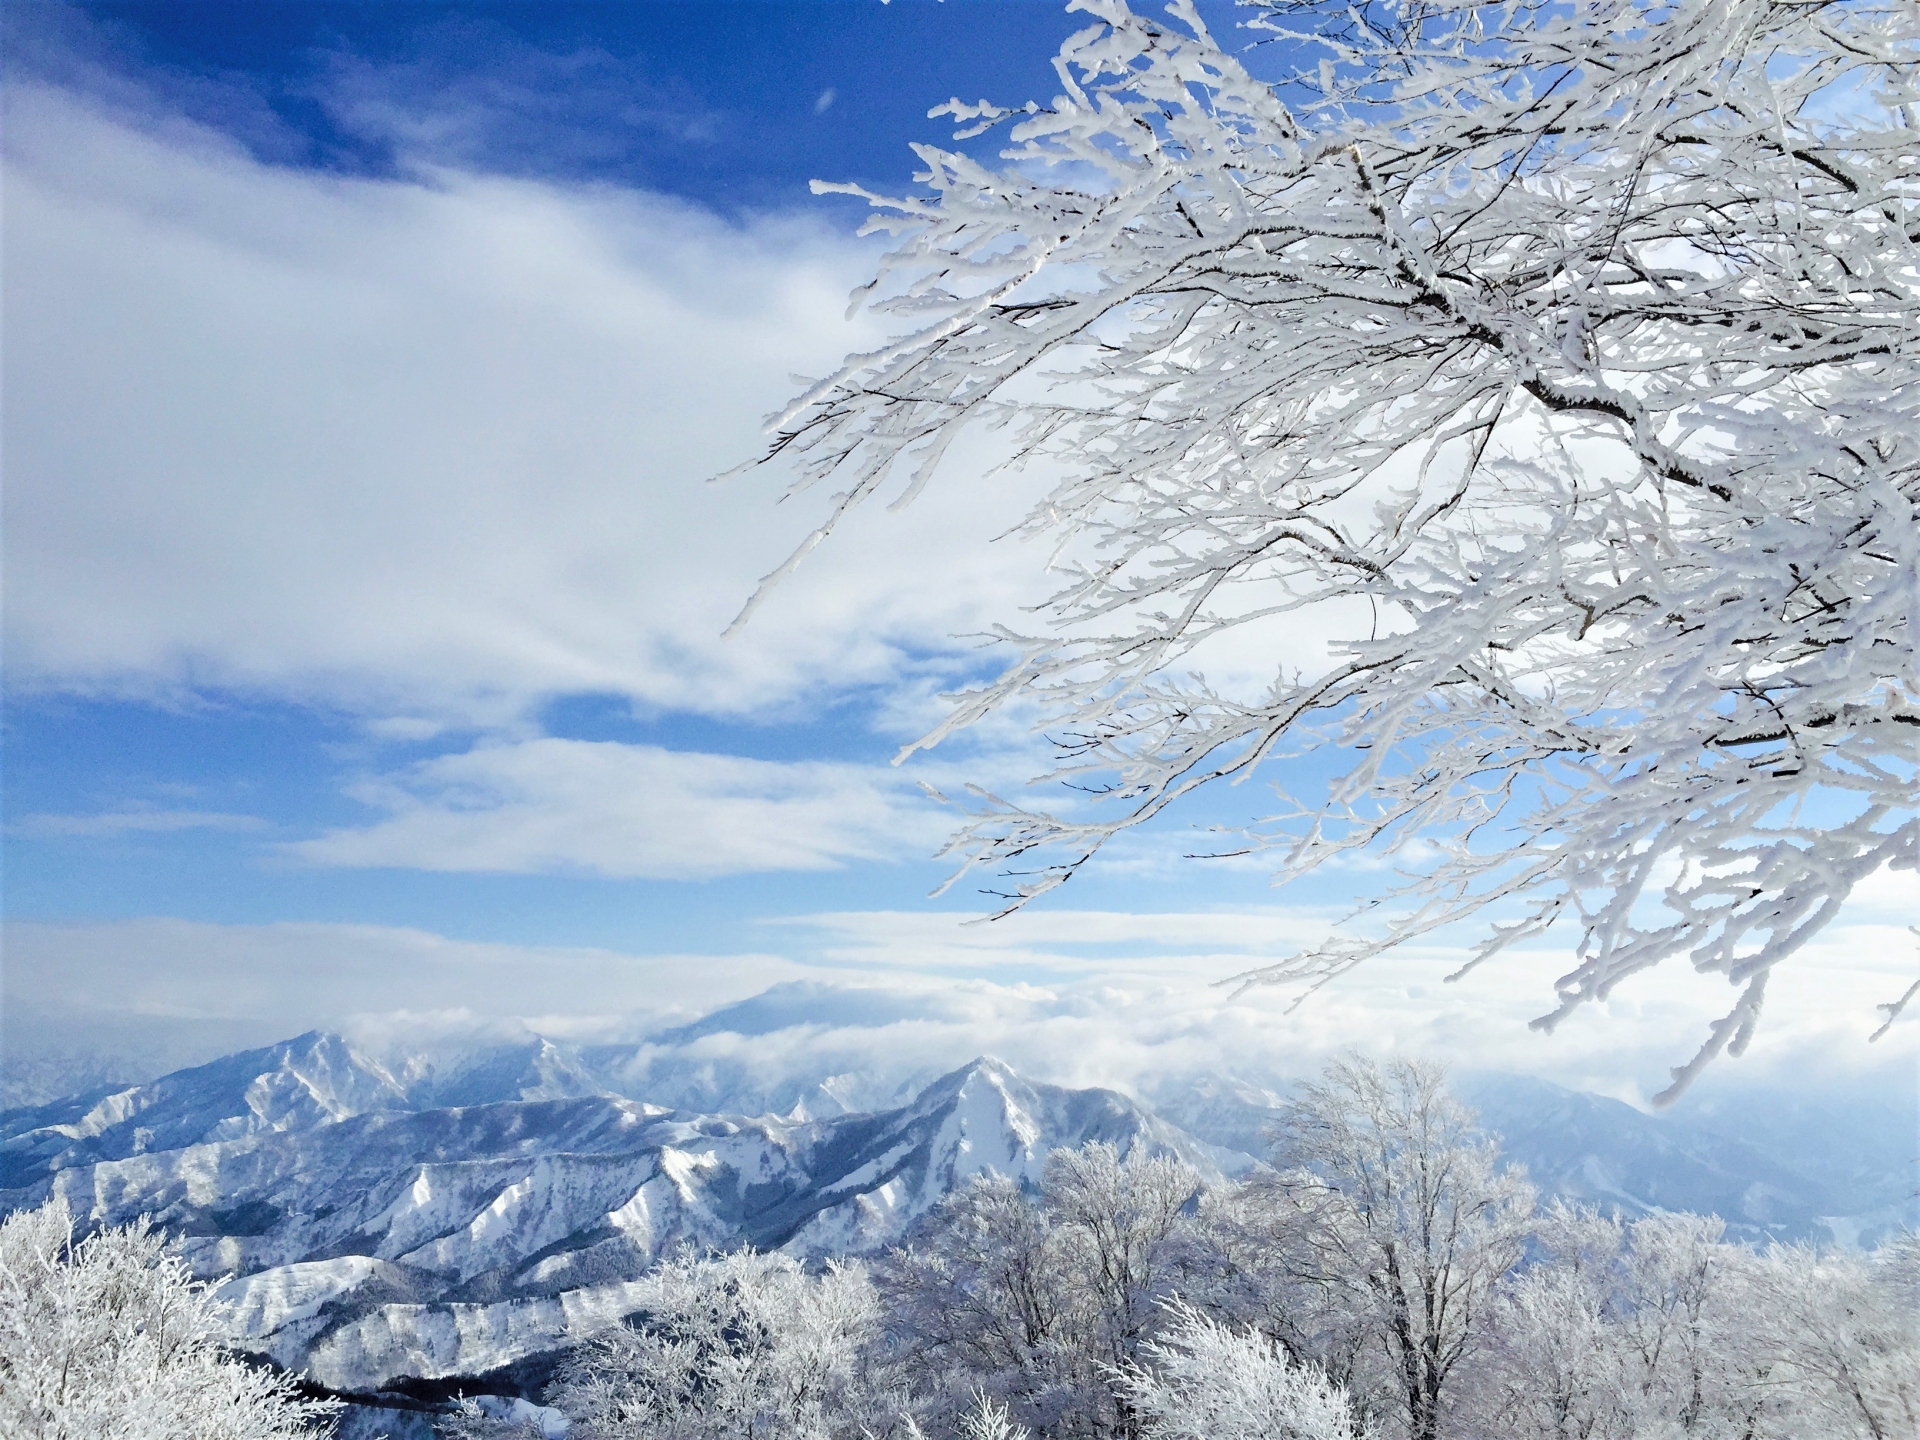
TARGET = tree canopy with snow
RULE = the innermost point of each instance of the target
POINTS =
(1572, 347)
(1390, 1278)
(110, 1338)
(741, 1346)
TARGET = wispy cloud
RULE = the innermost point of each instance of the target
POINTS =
(629, 810)
(1141, 1018)
(107, 824)
(433, 450)
(521, 108)
(1060, 943)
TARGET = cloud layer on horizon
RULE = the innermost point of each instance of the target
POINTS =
(629, 811)
(1077, 997)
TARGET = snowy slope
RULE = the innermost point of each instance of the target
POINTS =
(1222, 1109)
(453, 1241)
(1808, 1172)
(311, 1080)
(1864, 1154)
(1600, 1151)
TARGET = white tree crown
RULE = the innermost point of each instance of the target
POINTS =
(1575, 343)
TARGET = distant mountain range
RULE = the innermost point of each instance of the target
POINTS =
(391, 1222)
(377, 1234)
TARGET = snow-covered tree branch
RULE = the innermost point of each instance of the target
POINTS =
(110, 1338)
(1210, 1382)
(743, 1346)
(1572, 347)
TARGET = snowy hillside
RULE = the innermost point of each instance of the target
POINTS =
(371, 1240)
(1603, 1152)
(293, 1086)
(391, 1215)
(1781, 1168)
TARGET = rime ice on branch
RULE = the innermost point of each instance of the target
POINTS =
(1576, 343)
(111, 1337)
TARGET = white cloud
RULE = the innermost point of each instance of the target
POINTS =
(629, 810)
(429, 450)
(1060, 942)
(123, 822)
(1144, 1011)
(280, 979)
(436, 449)
(1165, 973)
(472, 90)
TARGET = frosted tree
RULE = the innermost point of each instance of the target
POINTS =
(1207, 1381)
(496, 1417)
(986, 1419)
(978, 1302)
(742, 1346)
(1683, 1299)
(1840, 1333)
(1035, 1302)
(1398, 1223)
(1120, 1222)
(1570, 348)
(110, 1338)
(1662, 1328)
(1556, 1367)
(1557, 1376)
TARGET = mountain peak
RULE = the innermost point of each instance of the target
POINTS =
(316, 1078)
(984, 1070)
(801, 1004)
(515, 1180)
(990, 1067)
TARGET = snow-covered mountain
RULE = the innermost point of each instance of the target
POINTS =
(1603, 1152)
(372, 1235)
(387, 1215)
(1772, 1166)
(311, 1080)
(1864, 1154)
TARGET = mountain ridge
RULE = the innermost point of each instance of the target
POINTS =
(397, 1219)
(394, 1243)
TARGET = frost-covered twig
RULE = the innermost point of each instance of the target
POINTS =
(1578, 342)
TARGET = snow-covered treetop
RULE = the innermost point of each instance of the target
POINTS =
(1575, 344)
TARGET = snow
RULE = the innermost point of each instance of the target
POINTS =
(550, 1422)
(264, 1302)
(404, 1242)
(436, 1341)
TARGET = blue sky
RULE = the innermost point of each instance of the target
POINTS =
(365, 367)
(727, 109)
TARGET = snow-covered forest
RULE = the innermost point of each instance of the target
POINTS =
(1388, 1275)
(109, 1336)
